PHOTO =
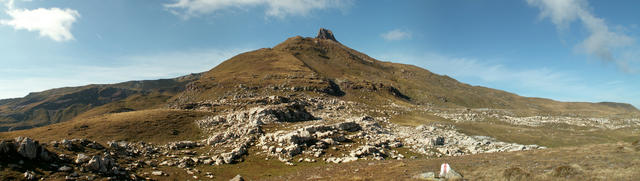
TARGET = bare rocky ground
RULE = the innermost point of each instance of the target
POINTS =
(290, 130)
(473, 115)
(616, 161)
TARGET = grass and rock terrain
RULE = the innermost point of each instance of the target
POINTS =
(312, 109)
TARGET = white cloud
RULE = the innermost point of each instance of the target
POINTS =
(274, 8)
(135, 67)
(602, 42)
(54, 23)
(396, 34)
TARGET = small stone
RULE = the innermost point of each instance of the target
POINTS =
(157, 173)
(65, 168)
(426, 176)
(29, 175)
(81, 158)
(237, 178)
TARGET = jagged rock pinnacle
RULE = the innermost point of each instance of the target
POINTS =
(326, 34)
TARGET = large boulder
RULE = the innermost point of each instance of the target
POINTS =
(448, 173)
(81, 158)
(349, 126)
(101, 164)
(7, 147)
(27, 147)
(237, 178)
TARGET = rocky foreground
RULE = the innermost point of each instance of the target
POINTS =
(287, 129)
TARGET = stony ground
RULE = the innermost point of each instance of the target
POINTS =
(619, 161)
(311, 138)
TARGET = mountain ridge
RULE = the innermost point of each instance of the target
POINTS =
(317, 65)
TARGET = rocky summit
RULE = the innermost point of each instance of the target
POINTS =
(326, 35)
(312, 109)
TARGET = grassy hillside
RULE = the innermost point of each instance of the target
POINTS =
(62, 104)
(326, 66)
(154, 125)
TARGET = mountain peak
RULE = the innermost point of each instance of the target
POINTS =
(326, 34)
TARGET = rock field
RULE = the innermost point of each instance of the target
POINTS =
(288, 129)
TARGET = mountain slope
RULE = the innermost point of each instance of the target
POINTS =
(305, 105)
(323, 65)
(319, 65)
(62, 104)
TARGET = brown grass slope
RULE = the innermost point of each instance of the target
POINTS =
(154, 125)
(326, 66)
(62, 104)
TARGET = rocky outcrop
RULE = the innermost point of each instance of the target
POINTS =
(102, 164)
(443, 140)
(326, 35)
(477, 115)
(26, 148)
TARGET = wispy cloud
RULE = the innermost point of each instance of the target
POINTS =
(54, 23)
(274, 8)
(134, 67)
(603, 42)
(396, 34)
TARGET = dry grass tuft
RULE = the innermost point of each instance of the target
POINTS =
(516, 173)
(565, 171)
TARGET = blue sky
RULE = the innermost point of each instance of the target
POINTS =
(569, 50)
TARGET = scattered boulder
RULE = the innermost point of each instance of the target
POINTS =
(448, 173)
(157, 173)
(101, 164)
(182, 145)
(29, 175)
(426, 176)
(6, 147)
(81, 158)
(349, 126)
(237, 178)
(27, 147)
(65, 169)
